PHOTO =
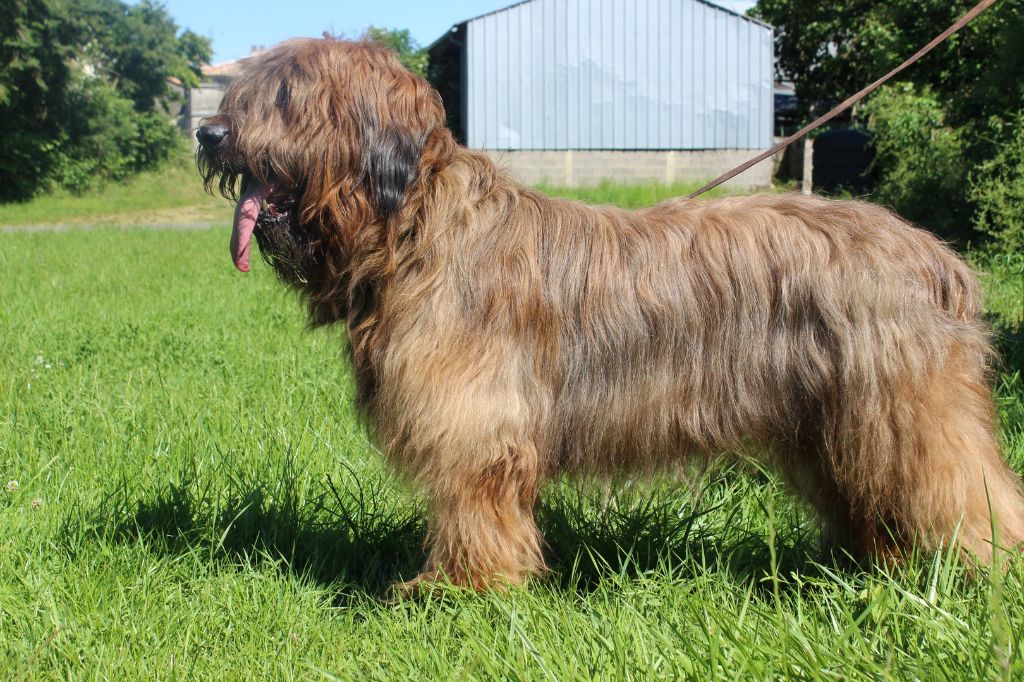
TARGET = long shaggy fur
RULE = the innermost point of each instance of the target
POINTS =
(501, 337)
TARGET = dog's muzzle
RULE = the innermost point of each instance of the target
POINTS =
(211, 136)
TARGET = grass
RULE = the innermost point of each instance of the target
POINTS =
(171, 194)
(196, 499)
(631, 196)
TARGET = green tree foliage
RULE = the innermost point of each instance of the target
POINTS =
(35, 75)
(940, 128)
(921, 156)
(412, 56)
(831, 50)
(997, 187)
(82, 88)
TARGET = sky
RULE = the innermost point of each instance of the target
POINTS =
(237, 25)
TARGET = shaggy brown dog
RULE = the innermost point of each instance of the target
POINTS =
(501, 337)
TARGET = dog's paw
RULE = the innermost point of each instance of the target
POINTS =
(425, 583)
(439, 582)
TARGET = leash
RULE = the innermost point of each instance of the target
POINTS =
(848, 102)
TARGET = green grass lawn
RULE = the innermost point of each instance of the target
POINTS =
(195, 499)
(172, 194)
(631, 196)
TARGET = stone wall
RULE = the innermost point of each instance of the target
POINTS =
(578, 168)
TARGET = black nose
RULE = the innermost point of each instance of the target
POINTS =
(211, 136)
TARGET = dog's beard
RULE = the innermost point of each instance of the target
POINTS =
(285, 245)
(221, 174)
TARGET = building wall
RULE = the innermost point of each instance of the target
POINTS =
(202, 101)
(618, 74)
(572, 168)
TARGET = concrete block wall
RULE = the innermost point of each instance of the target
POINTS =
(580, 168)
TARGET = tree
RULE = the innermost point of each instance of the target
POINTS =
(137, 48)
(939, 126)
(409, 52)
(82, 87)
(831, 50)
(35, 71)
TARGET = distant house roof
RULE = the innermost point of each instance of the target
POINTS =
(222, 70)
(228, 69)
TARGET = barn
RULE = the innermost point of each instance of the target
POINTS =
(573, 92)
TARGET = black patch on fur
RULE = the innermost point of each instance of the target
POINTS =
(283, 97)
(390, 165)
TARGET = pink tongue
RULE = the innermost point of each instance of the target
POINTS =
(246, 211)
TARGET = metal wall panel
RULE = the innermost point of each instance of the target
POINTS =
(618, 74)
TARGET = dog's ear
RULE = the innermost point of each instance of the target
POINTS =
(390, 165)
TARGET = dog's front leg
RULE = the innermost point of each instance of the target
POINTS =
(482, 528)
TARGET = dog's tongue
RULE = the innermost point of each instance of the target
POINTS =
(246, 212)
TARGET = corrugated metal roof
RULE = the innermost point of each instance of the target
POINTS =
(523, 2)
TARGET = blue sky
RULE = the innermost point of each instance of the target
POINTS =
(236, 25)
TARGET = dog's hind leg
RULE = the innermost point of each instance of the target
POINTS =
(955, 480)
(482, 529)
(809, 475)
(925, 463)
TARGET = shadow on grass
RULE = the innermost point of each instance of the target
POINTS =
(637, 530)
(359, 537)
(352, 533)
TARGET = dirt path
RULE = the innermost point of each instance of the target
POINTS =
(185, 218)
(124, 225)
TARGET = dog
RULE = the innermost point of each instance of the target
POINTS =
(501, 338)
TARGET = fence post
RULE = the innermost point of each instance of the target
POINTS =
(806, 186)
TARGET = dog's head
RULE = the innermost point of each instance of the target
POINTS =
(319, 141)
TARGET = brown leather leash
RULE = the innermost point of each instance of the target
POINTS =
(848, 102)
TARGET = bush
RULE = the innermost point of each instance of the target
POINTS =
(919, 160)
(82, 88)
(109, 139)
(997, 187)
